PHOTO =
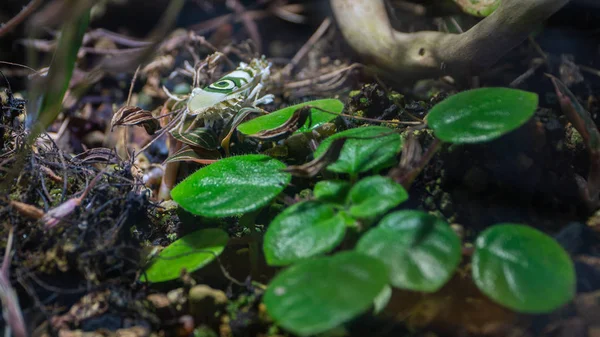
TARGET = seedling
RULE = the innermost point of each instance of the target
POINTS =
(406, 249)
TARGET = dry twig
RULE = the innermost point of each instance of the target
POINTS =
(17, 19)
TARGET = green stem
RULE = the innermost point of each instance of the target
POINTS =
(248, 220)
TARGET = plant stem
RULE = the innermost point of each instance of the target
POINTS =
(248, 220)
(407, 179)
(17, 19)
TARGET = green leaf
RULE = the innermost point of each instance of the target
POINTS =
(43, 111)
(277, 118)
(420, 250)
(375, 195)
(190, 252)
(303, 230)
(320, 294)
(361, 155)
(523, 269)
(232, 186)
(481, 115)
(334, 191)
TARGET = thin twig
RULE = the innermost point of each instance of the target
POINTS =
(366, 119)
(19, 65)
(17, 19)
(328, 76)
(590, 70)
(249, 23)
(115, 37)
(284, 13)
(307, 46)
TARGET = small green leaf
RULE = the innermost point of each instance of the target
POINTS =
(277, 118)
(298, 119)
(361, 155)
(523, 269)
(481, 115)
(303, 230)
(332, 190)
(190, 252)
(232, 186)
(420, 250)
(320, 294)
(375, 195)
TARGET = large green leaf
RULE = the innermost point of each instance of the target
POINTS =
(303, 230)
(334, 191)
(190, 252)
(523, 269)
(320, 294)
(279, 117)
(375, 195)
(420, 250)
(232, 186)
(361, 155)
(481, 115)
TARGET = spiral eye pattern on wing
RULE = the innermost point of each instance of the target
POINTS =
(223, 84)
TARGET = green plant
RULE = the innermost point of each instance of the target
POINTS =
(405, 249)
(277, 118)
(523, 269)
(420, 250)
(190, 253)
(316, 295)
(313, 227)
(232, 186)
(481, 115)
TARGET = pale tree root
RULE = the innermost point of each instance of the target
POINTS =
(367, 28)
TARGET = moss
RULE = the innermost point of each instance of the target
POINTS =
(446, 203)
(395, 97)
(354, 93)
(305, 194)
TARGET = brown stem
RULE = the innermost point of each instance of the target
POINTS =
(170, 176)
(8, 296)
(17, 19)
(367, 28)
(407, 179)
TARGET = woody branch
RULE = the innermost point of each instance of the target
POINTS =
(367, 28)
